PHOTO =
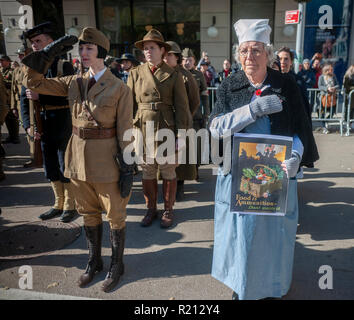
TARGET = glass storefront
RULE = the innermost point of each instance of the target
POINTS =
(253, 9)
(331, 41)
(2, 40)
(126, 21)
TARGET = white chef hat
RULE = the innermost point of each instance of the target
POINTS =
(253, 30)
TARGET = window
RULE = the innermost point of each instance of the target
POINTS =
(127, 21)
(253, 9)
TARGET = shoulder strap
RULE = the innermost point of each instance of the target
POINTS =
(84, 101)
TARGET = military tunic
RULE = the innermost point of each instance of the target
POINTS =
(188, 171)
(162, 99)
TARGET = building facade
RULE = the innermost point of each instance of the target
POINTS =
(187, 22)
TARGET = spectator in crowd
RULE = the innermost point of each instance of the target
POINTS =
(348, 83)
(317, 69)
(226, 71)
(205, 58)
(207, 74)
(328, 84)
(127, 62)
(275, 64)
(244, 257)
(286, 58)
(307, 74)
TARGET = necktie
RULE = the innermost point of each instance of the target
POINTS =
(92, 81)
(153, 69)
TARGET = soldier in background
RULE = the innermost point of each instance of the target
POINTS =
(55, 120)
(201, 116)
(3, 112)
(173, 58)
(11, 119)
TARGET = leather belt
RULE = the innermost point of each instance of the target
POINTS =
(94, 133)
(50, 108)
(151, 105)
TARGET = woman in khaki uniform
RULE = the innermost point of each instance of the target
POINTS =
(102, 109)
(160, 97)
(174, 59)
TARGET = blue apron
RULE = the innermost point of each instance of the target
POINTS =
(253, 255)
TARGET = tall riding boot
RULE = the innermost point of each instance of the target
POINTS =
(180, 190)
(95, 263)
(116, 269)
(150, 195)
(69, 211)
(169, 197)
(57, 208)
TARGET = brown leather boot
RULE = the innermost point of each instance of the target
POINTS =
(169, 197)
(150, 195)
(95, 263)
(116, 269)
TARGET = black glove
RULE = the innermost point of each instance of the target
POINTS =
(42, 60)
(126, 175)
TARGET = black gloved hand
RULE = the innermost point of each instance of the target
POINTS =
(42, 60)
(126, 175)
(60, 46)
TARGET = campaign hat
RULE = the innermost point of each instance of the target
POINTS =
(155, 36)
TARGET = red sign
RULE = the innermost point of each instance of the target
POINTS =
(292, 17)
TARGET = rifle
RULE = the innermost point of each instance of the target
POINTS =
(35, 118)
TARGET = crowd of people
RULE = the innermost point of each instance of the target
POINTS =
(76, 114)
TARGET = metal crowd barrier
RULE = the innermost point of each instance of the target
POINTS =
(348, 99)
(328, 108)
(337, 113)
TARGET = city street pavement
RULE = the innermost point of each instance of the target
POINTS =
(176, 263)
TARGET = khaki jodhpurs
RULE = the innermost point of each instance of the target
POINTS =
(167, 171)
(93, 198)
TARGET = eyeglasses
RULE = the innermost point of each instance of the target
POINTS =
(255, 52)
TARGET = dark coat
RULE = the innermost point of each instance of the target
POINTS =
(236, 91)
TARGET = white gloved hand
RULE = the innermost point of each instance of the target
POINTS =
(291, 166)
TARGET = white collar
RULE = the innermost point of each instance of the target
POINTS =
(98, 75)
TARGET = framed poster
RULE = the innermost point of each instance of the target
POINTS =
(259, 184)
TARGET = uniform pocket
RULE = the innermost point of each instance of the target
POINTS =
(168, 118)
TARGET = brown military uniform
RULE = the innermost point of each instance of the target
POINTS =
(16, 89)
(188, 171)
(90, 163)
(161, 98)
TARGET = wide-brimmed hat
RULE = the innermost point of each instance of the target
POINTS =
(153, 35)
(43, 28)
(129, 57)
(95, 36)
(174, 47)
